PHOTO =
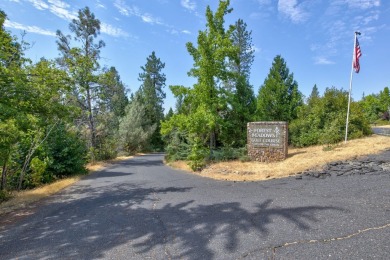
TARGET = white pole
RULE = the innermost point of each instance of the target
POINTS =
(350, 88)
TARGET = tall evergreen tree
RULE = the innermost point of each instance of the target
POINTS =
(314, 96)
(112, 92)
(243, 101)
(152, 94)
(82, 63)
(110, 108)
(279, 97)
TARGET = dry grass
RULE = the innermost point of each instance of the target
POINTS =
(181, 165)
(23, 199)
(97, 166)
(299, 160)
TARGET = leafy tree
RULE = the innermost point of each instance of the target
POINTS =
(66, 152)
(324, 121)
(279, 97)
(134, 128)
(203, 107)
(371, 106)
(82, 64)
(47, 85)
(12, 88)
(152, 94)
(211, 58)
(384, 99)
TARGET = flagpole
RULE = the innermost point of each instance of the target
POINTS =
(350, 87)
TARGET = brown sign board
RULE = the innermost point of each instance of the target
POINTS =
(267, 141)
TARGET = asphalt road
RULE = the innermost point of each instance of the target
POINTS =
(141, 209)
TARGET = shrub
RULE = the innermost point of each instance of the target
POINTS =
(323, 121)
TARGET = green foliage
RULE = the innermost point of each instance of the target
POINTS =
(228, 153)
(197, 155)
(279, 97)
(112, 93)
(134, 128)
(202, 110)
(66, 151)
(38, 169)
(178, 147)
(81, 63)
(5, 195)
(376, 107)
(152, 95)
(239, 93)
(323, 121)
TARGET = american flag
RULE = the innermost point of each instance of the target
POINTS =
(356, 56)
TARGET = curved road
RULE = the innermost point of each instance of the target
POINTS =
(141, 209)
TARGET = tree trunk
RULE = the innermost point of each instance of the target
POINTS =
(212, 142)
(4, 176)
(91, 124)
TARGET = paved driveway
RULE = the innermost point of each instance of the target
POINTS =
(141, 209)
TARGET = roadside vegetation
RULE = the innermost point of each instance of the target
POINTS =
(58, 115)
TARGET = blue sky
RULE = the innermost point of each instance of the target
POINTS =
(315, 37)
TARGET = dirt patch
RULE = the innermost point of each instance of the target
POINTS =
(299, 160)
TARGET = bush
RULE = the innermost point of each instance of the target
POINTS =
(5, 195)
(228, 153)
(197, 156)
(323, 122)
(39, 174)
(67, 153)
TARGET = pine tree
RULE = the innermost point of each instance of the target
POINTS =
(279, 97)
(314, 96)
(152, 94)
(243, 101)
(82, 64)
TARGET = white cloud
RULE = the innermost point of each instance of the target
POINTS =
(112, 31)
(135, 11)
(59, 4)
(323, 61)
(185, 32)
(39, 4)
(122, 7)
(148, 18)
(188, 4)
(292, 10)
(360, 4)
(56, 7)
(62, 13)
(28, 28)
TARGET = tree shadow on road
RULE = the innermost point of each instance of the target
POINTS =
(127, 218)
